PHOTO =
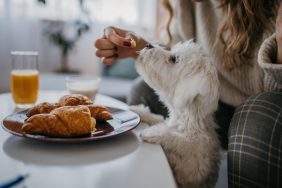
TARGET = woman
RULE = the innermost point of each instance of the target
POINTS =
(244, 39)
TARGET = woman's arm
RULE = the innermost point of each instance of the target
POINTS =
(267, 60)
(278, 35)
(270, 57)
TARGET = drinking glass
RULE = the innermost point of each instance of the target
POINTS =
(83, 84)
(24, 78)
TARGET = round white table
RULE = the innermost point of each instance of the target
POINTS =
(119, 162)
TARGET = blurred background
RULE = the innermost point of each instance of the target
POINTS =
(63, 32)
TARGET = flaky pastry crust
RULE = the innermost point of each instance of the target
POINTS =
(66, 121)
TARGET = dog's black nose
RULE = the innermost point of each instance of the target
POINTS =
(149, 46)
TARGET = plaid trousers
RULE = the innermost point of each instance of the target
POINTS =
(255, 142)
(253, 134)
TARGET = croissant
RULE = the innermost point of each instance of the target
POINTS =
(74, 100)
(42, 108)
(66, 121)
(100, 113)
(67, 100)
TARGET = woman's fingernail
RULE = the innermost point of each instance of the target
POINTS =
(126, 43)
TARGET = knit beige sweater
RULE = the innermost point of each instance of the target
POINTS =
(200, 22)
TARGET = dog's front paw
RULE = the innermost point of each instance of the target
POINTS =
(141, 110)
(154, 134)
(145, 115)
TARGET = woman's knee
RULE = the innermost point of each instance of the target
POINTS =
(255, 141)
(257, 113)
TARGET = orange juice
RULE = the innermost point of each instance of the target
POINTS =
(24, 86)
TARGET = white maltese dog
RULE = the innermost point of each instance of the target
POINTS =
(187, 83)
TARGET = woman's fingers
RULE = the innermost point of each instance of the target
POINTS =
(117, 44)
(106, 53)
(109, 60)
(104, 44)
(117, 36)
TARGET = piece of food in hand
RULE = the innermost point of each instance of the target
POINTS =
(66, 121)
(42, 108)
(74, 100)
(133, 43)
(100, 113)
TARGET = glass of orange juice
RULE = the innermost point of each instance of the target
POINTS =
(24, 78)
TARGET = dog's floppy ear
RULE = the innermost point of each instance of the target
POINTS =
(188, 91)
(199, 92)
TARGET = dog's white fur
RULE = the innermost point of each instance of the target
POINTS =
(190, 90)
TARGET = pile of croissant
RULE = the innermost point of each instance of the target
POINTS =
(73, 115)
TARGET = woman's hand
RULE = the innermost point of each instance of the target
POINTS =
(118, 44)
(278, 32)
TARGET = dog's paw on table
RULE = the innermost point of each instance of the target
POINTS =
(154, 134)
(146, 116)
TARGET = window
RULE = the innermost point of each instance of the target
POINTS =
(22, 24)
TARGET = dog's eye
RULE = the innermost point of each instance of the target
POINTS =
(173, 59)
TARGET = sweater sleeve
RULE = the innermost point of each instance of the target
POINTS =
(266, 60)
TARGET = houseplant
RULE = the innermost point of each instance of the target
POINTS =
(65, 35)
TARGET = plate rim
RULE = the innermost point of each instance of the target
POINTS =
(71, 139)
